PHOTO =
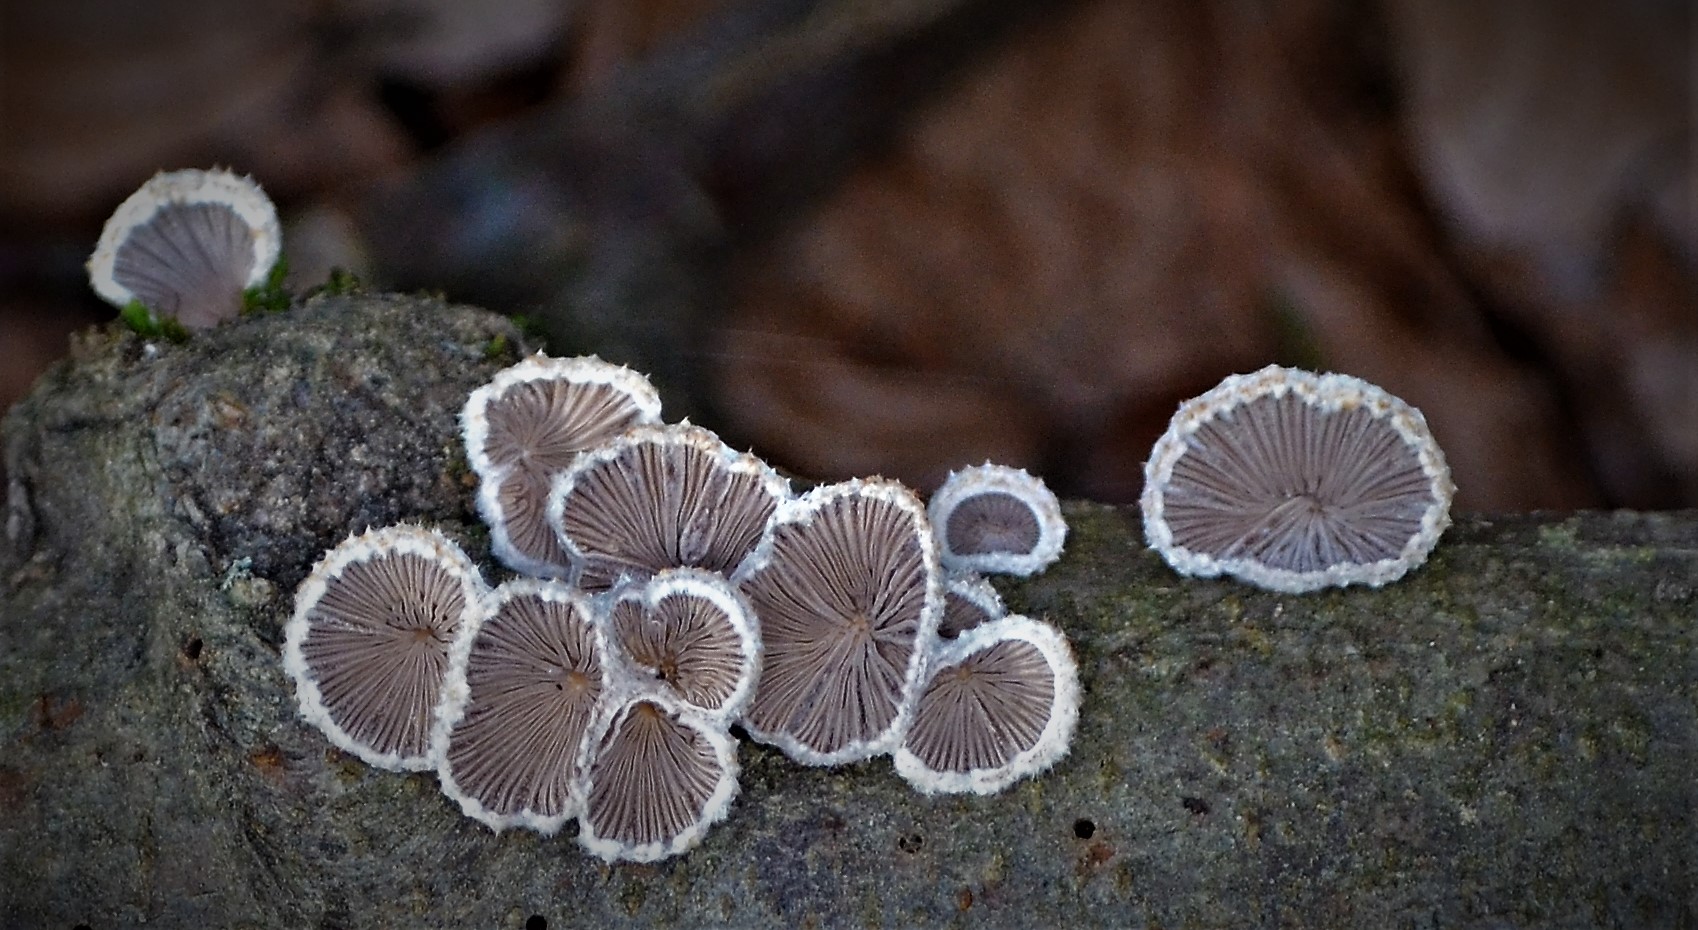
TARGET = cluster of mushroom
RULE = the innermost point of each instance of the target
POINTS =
(674, 588)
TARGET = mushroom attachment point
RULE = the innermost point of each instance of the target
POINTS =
(849, 594)
(1294, 481)
(1000, 703)
(662, 497)
(517, 704)
(658, 777)
(186, 245)
(529, 423)
(993, 518)
(690, 632)
(368, 645)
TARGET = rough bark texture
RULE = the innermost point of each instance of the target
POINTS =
(1505, 739)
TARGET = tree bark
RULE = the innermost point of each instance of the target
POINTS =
(1506, 738)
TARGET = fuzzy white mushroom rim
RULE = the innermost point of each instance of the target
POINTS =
(661, 497)
(994, 518)
(523, 689)
(657, 775)
(1295, 481)
(368, 644)
(999, 703)
(532, 421)
(969, 600)
(848, 590)
(187, 244)
(692, 633)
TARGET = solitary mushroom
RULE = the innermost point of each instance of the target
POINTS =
(1295, 481)
(517, 704)
(968, 601)
(658, 777)
(848, 591)
(690, 632)
(186, 245)
(529, 423)
(993, 518)
(1000, 704)
(662, 497)
(368, 644)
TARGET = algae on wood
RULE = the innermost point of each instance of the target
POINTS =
(1507, 738)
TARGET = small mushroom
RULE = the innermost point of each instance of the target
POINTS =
(1000, 703)
(529, 423)
(968, 601)
(517, 704)
(368, 644)
(187, 244)
(849, 593)
(993, 518)
(1294, 481)
(690, 632)
(658, 777)
(662, 497)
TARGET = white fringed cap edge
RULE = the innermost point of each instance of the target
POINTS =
(1017, 483)
(240, 193)
(802, 510)
(401, 539)
(683, 433)
(456, 694)
(1326, 392)
(710, 586)
(474, 432)
(615, 704)
(1052, 744)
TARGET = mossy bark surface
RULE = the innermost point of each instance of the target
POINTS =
(1506, 738)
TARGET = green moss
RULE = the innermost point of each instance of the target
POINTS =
(269, 296)
(148, 325)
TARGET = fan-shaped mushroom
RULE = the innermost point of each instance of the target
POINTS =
(368, 644)
(1295, 481)
(993, 518)
(187, 244)
(691, 632)
(848, 591)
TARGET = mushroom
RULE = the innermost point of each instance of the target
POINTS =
(690, 632)
(186, 245)
(1295, 481)
(662, 497)
(530, 422)
(993, 518)
(1000, 703)
(518, 701)
(968, 601)
(368, 644)
(848, 591)
(658, 777)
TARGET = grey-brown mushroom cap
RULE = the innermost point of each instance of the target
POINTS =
(657, 777)
(187, 244)
(849, 594)
(522, 692)
(368, 644)
(995, 518)
(1294, 481)
(531, 422)
(662, 497)
(998, 704)
(692, 633)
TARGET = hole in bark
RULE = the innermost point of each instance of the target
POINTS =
(1195, 805)
(1084, 829)
(910, 842)
(536, 922)
(192, 648)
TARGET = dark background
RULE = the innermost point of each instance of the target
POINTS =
(906, 236)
